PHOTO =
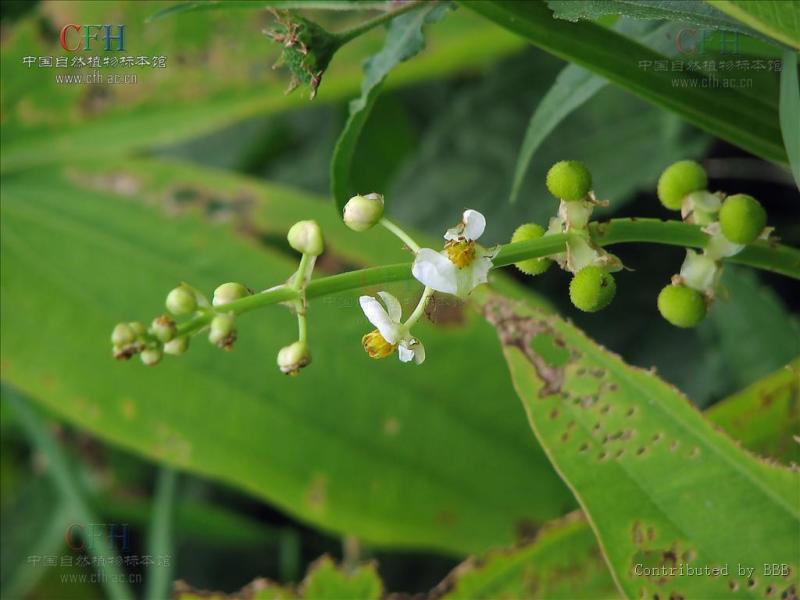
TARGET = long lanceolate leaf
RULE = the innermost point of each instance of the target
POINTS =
(403, 40)
(724, 112)
(790, 112)
(777, 19)
(666, 493)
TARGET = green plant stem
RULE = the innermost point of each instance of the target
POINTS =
(159, 535)
(398, 231)
(420, 309)
(112, 578)
(351, 34)
(769, 256)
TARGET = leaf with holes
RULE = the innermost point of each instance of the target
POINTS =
(664, 490)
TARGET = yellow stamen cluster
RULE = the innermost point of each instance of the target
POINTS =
(376, 345)
(460, 252)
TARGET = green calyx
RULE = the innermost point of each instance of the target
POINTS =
(531, 266)
(681, 306)
(742, 218)
(678, 181)
(569, 180)
(592, 289)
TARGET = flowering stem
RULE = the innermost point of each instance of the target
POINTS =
(351, 34)
(769, 256)
(404, 237)
(420, 309)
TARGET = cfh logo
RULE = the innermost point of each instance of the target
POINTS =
(694, 41)
(81, 537)
(75, 38)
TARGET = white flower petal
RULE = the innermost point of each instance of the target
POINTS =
(474, 224)
(404, 353)
(393, 307)
(379, 318)
(419, 352)
(435, 271)
(411, 348)
(472, 276)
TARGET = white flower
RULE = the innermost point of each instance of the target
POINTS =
(462, 265)
(390, 332)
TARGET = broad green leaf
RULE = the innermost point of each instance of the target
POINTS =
(85, 247)
(775, 18)
(661, 486)
(790, 112)
(766, 415)
(727, 113)
(404, 39)
(218, 73)
(562, 562)
(186, 7)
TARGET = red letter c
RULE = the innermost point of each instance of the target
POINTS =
(63, 37)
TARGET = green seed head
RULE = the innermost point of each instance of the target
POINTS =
(569, 180)
(293, 357)
(163, 328)
(531, 266)
(362, 212)
(681, 306)
(123, 335)
(306, 238)
(181, 301)
(228, 292)
(592, 289)
(678, 181)
(742, 218)
(222, 332)
(151, 356)
(177, 346)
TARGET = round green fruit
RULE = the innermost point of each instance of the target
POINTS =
(531, 266)
(678, 181)
(592, 289)
(742, 218)
(681, 306)
(569, 180)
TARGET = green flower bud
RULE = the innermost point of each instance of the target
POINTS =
(177, 346)
(742, 218)
(592, 289)
(678, 181)
(123, 334)
(293, 357)
(531, 266)
(163, 328)
(228, 292)
(681, 306)
(222, 332)
(362, 212)
(306, 238)
(151, 356)
(181, 301)
(569, 180)
(138, 328)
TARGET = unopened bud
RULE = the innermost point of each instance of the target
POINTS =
(306, 238)
(138, 328)
(123, 335)
(177, 346)
(222, 332)
(293, 357)
(228, 292)
(362, 212)
(163, 328)
(151, 356)
(181, 301)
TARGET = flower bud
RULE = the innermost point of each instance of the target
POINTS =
(362, 212)
(293, 357)
(306, 238)
(181, 301)
(138, 328)
(177, 346)
(163, 328)
(123, 335)
(151, 356)
(222, 332)
(228, 292)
